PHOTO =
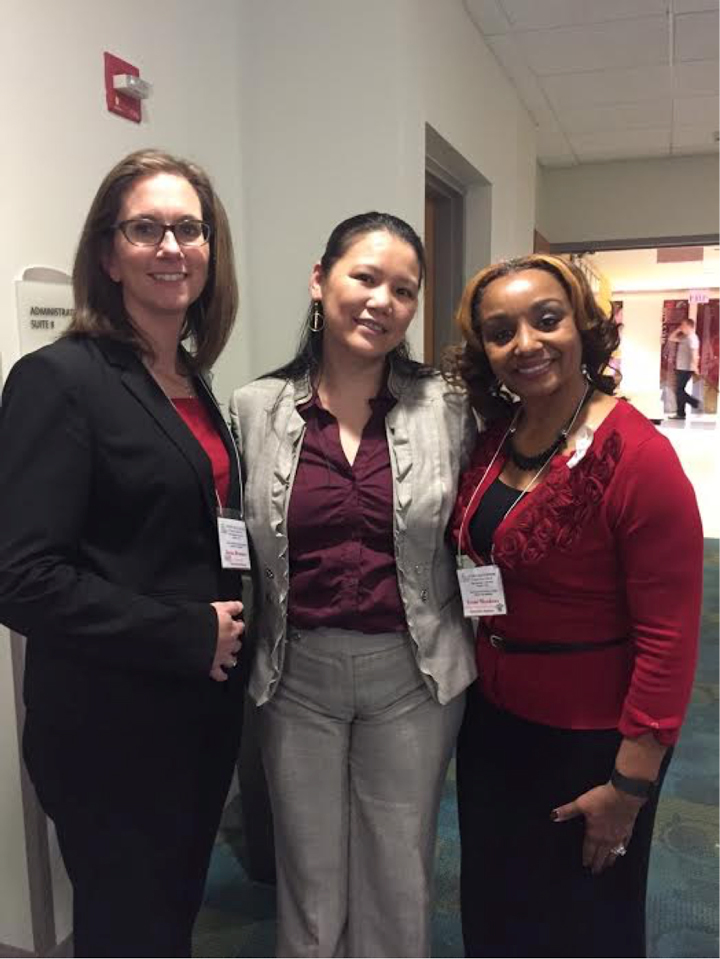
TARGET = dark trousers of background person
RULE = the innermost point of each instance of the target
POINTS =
(524, 890)
(682, 378)
(136, 806)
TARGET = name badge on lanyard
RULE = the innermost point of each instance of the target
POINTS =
(233, 538)
(482, 590)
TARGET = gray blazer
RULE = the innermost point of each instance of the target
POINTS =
(430, 433)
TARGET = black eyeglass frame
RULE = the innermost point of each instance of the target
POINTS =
(205, 232)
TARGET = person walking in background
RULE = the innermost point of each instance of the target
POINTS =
(686, 365)
(351, 453)
(582, 559)
(114, 464)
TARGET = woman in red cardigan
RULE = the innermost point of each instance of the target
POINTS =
(580, 553)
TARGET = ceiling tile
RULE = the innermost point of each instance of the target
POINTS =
(551, 144)
(696, 112)
(526, 83)
(696, 36)
(558, 161)
(691, 6)
(535, 15)
(652, 115)
(600, 46)
(598, 87)
(487, 16)
(696, 78)
(600, 79)
(618, 143)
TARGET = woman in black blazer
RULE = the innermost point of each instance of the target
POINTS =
(114, 464)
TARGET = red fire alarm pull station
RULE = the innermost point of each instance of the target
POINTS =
(118, 102)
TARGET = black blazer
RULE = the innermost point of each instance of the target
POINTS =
(109, 553)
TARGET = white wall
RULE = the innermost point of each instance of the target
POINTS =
(641, 342)
(468, 100)
(672, 197)
(335, 97)
(59, 140)
(334, 100)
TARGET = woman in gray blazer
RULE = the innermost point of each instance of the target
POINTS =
(351, 455)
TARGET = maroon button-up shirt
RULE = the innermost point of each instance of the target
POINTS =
(340, 526)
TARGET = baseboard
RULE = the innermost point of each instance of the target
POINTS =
(61, 950)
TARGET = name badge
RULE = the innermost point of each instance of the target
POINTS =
(234, 546)
(482, 591)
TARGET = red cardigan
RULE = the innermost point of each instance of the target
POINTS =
(611, 547)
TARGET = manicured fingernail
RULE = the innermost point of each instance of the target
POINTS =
(554, 815)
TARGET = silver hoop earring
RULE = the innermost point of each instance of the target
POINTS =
(317, 322)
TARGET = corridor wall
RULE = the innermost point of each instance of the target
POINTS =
(629, 199)
(335, 100)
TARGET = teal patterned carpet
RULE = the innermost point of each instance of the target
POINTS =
(238, 916)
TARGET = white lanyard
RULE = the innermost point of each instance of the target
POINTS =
(463, 525)
(481, 587)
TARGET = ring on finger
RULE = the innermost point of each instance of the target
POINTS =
(618, 850)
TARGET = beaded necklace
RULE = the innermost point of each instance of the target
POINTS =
(530, 463)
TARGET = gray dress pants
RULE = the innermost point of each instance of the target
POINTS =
(355, 750)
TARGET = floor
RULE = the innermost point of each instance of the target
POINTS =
(696, 442)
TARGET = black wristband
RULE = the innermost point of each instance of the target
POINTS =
(640, 788)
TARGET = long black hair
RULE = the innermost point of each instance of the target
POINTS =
(309, 354)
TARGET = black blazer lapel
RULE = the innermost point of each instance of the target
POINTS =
(140, 383)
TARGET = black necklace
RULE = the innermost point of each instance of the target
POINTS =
(529, 463)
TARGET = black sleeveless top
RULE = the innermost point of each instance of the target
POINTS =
(491, 511)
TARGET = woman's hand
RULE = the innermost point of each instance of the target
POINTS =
(230, 628)
(609, 820)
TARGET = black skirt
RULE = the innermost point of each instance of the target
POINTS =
(524, 890)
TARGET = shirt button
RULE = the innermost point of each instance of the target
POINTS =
(424, 595)
(269, 573)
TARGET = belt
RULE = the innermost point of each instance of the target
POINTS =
(510, 646)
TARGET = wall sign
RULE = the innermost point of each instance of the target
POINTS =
(698, 296)
(44, 310)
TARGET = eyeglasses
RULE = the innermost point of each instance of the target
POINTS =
(146, 232)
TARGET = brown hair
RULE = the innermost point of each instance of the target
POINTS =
(99, 308)
(468, 364)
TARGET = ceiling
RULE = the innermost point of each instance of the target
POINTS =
(609, 79)
(639, 270)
